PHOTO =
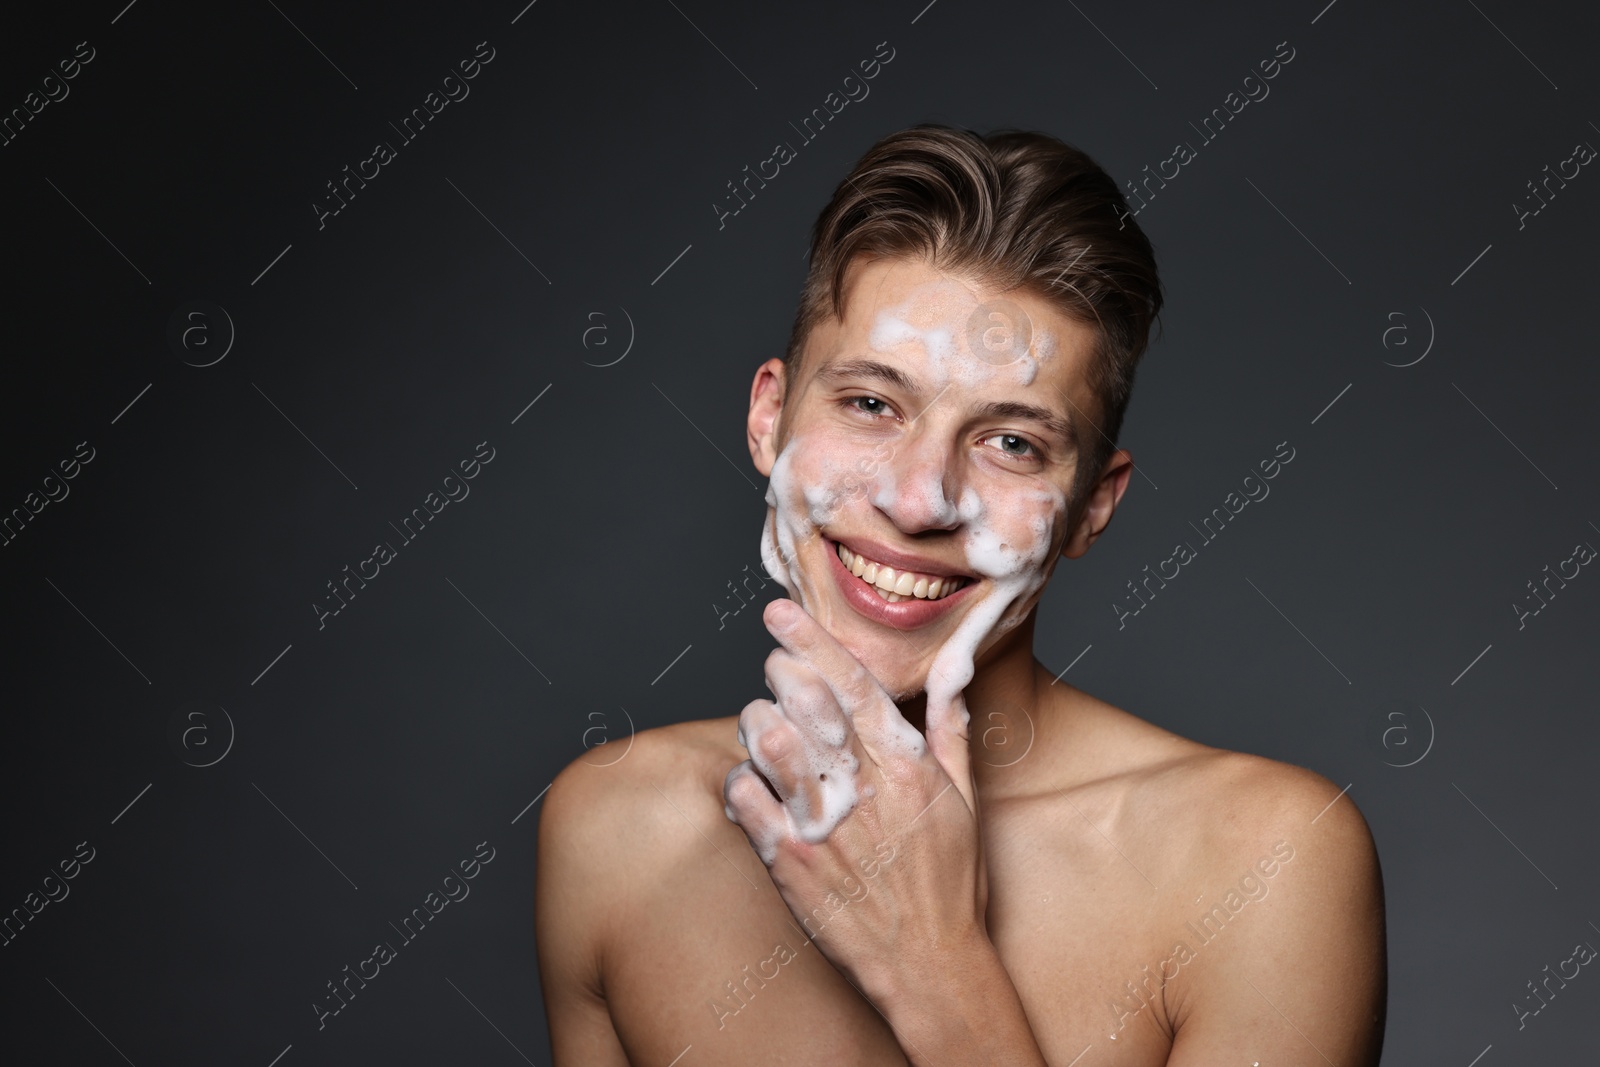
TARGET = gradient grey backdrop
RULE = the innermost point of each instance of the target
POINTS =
(1359, 618)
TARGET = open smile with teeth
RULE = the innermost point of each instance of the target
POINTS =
(895, 586)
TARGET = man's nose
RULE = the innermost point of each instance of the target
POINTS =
(922, 486)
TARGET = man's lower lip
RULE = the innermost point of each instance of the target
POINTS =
(904, 615)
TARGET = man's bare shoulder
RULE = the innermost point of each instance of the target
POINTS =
(1191, 801)
(642, 797)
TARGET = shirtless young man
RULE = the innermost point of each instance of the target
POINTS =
(930, 852)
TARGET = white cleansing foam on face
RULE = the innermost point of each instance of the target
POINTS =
(1006, 538)
(1014, 572)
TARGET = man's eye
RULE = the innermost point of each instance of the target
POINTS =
(1012, 445)
(871, 405)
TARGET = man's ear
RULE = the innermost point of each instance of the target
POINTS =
(766, 405)
(1104, 496)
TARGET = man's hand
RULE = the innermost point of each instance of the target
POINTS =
(873, 837)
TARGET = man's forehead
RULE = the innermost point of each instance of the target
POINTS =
(944, 327)
(917, 292)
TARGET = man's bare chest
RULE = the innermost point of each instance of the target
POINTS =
(715, 960)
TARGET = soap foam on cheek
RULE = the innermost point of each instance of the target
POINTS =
(796, 516)
(798, 509)
(1015, 572)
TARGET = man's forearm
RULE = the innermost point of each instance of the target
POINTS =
(966, 1011)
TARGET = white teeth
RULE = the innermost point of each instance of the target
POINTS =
(895, 586)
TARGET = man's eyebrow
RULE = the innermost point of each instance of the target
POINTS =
(872, 370)
(1012, 409)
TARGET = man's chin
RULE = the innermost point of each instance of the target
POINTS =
(900, 686)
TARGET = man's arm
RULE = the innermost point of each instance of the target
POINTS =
(569, 920)
(1305, 979)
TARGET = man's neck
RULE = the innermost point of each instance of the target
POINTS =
(1007, 705)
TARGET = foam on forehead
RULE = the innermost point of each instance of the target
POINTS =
(965, 341)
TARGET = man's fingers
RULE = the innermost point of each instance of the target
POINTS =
(806, 699)
(775, 746)
(871, 711)
(752, 807)
(811, 744)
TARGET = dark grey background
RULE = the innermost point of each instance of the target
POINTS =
(536, 617)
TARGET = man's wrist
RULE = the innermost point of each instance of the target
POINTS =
(964, 1003)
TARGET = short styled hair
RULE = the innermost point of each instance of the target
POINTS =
(1015, 209)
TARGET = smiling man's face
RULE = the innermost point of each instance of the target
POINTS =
(921, 460)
